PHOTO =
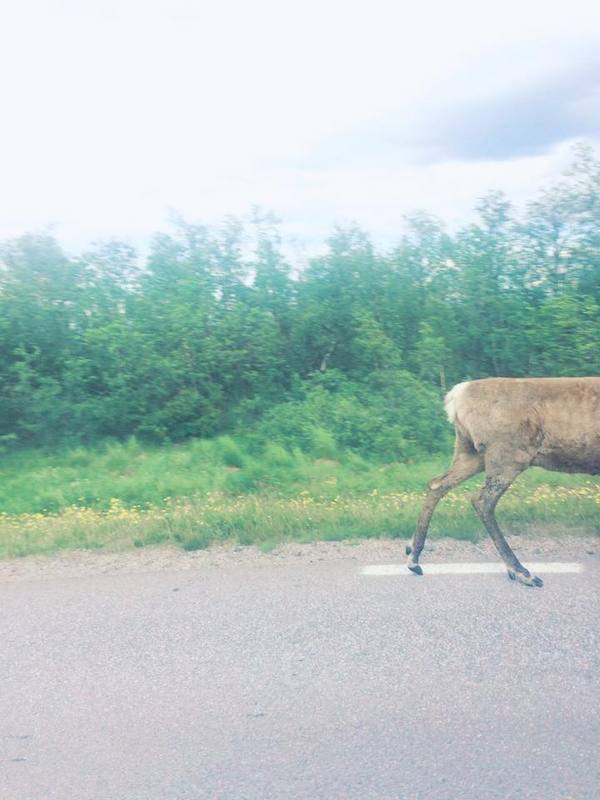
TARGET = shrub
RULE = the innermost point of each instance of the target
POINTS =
(229, 452)
(390, 417)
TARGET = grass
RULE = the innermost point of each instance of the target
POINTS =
(124, 495)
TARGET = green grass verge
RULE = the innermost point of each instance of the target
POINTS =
(125, 495)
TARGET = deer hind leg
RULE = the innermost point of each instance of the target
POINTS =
(496, 483)
(466, 463)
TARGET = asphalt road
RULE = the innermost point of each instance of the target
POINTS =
(304, 680)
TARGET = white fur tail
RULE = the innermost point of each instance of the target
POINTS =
(451, 400)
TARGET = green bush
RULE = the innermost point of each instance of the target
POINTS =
(322, 443)
(276, 455)
(229, 452)
(391, 417)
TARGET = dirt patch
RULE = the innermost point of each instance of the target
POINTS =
(567, 547)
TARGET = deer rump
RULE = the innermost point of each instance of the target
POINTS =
(505, 425)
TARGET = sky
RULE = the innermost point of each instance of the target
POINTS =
(117, 115)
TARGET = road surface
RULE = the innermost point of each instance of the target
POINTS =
(299, 679)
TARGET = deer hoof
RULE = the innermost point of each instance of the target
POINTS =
(408, 550)
(415, 568)
(526, 579)
(533, 580)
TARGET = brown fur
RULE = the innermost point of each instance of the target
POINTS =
(504, 426)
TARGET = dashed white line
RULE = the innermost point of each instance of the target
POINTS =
(474, 568)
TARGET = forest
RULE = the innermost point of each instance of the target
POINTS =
(213, 331)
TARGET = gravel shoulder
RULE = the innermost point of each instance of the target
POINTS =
(166, 558)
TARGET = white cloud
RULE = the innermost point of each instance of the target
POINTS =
(116, 112)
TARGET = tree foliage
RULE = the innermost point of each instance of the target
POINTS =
(214, 332)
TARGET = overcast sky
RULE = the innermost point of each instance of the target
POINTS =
(114, 114)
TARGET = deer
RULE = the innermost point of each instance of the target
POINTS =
(502, 427)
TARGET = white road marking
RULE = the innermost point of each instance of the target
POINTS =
(474, 568)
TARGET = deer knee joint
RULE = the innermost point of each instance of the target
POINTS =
(435, 484)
